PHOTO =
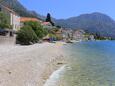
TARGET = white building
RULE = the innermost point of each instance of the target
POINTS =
(15, 21)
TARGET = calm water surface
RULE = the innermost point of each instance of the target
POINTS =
(90, 64)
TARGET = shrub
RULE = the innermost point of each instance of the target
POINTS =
(52, 37)
(38, 28)
(26, 36)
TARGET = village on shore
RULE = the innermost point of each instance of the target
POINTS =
(32, 65)
(14, 23)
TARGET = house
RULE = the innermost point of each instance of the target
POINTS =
(78, 34)
(14, 18)
(91, 37)
(47, 25)
(27, 19)
(67, 34)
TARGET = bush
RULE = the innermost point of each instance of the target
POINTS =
(52, 37)
(38, 29)
(26, 36)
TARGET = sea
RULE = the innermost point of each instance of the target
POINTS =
(90, 63)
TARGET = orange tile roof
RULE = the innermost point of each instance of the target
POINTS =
(26, 19)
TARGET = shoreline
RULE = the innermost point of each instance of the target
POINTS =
(53, 79)
(55, 65)
(53, 68)
(30, 65)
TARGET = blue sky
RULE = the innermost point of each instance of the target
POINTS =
(69, 8)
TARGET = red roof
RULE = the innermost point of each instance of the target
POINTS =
(46, 23)
(26, 19)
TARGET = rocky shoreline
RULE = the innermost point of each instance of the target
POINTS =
(29, 65)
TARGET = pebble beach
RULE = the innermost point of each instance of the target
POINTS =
(29, 65)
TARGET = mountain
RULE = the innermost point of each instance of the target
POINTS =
(93, 23)
(20, 9)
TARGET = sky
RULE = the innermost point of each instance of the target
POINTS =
(62, 9)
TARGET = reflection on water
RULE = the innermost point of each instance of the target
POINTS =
(90, 64)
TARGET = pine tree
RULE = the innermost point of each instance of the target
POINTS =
(48, 19)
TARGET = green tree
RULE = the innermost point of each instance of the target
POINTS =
(48, 19)
(58, 26)
(26, 36)
(38, 29)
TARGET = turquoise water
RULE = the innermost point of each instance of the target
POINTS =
(90, 64)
